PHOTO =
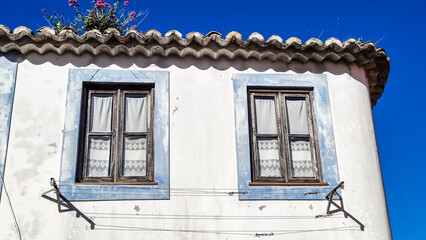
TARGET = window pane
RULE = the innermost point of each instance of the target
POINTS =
(101, 113)
(136, 113)
(134, 156)
(301, 157)
(265, 115)
(297, 116)
(98, 160)
(269, 163)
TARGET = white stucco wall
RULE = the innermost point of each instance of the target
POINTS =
(203, 162)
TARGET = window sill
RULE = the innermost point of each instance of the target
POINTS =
(288, 184)
(116, 183)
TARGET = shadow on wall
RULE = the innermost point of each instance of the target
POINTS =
(346, 214)
(70, 208)
(125, 62)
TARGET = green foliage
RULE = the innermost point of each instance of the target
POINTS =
(101, 17)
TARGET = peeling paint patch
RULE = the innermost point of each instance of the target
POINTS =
(53, 145)
(137, 208)
(262, 207)
(8, 66)
(311, 207)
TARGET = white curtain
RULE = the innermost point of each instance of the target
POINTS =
(98, 161)
(134, 163)
(297, 116)
(101, 113)
(265, 115)
(268, 158)
(136, 113)
(301, 158)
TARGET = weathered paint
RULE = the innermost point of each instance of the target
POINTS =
(8, 66)
(324, 130)
(67, 185)
(203, 162)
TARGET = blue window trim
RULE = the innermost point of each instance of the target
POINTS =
(67, 185)
(8, 68)
(324, 130)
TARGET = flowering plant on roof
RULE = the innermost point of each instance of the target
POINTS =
(100, 16)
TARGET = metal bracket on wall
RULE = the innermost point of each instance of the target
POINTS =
(56, 191)
(62, 201)
(333, 192)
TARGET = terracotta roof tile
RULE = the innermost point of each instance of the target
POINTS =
(374, 60)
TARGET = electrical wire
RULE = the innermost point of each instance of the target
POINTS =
(11, 207)
(201, 217)
(259, 232)
(208, 192)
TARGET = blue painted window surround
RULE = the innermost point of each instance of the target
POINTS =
(321, 108)
(76, 191)
(8, 67)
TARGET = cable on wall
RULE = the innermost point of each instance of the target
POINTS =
(11, 207)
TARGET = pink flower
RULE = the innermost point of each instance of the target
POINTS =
(72, 3)
(133, 27)
(101, 4)
(43, 10)
(132, 14)
(54, 12)
(126, 3)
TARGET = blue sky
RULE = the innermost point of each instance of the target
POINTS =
(397, 26)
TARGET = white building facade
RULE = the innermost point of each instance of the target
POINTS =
(203, 137)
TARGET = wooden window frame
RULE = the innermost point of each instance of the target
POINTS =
(283, 137)
(117, 133)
